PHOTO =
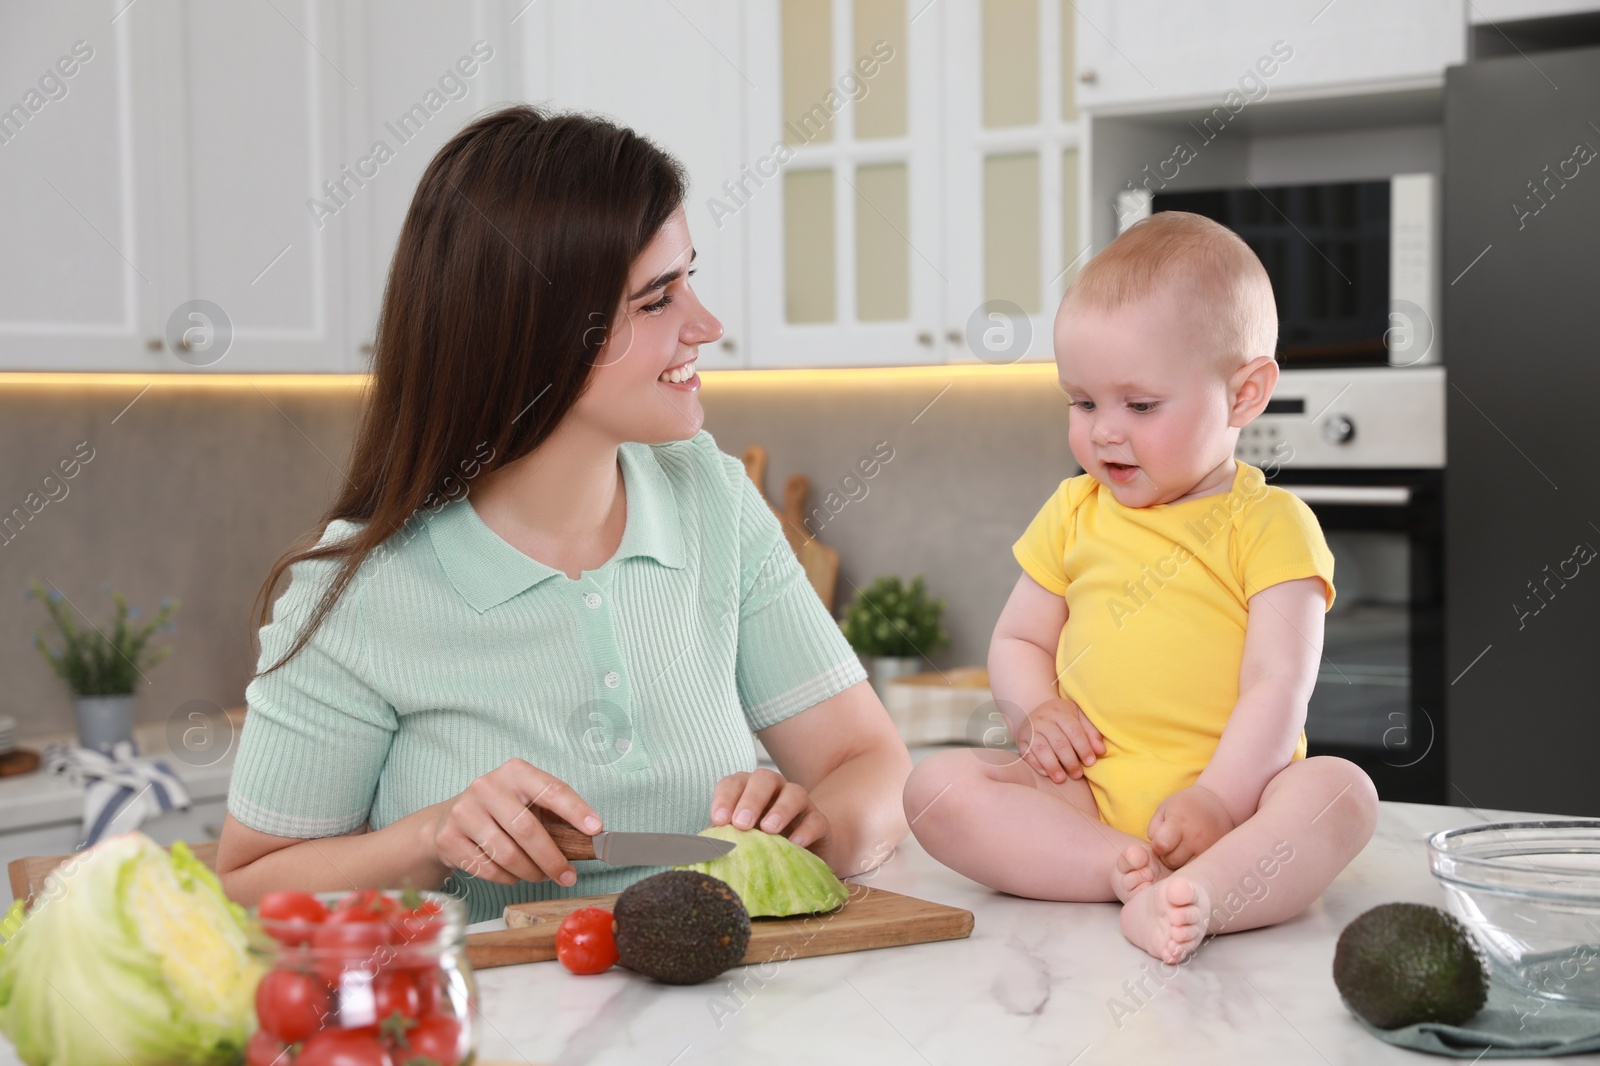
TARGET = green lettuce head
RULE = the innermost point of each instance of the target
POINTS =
(130, 956)
(774, 876)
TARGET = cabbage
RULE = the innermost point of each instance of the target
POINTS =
(773, 875)
(130, 956)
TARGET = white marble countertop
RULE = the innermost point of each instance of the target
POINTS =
(35, 799)
(1033, 983)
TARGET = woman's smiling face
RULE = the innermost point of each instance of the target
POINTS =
(644, 386)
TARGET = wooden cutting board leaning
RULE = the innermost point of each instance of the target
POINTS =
(870, 918)
(820, 562)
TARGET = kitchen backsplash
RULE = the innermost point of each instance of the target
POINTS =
(194, 491)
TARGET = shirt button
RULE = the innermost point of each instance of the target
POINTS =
(613, 679)
(591, 600)
(624, 745)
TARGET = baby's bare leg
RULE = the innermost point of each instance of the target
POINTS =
(991, 816)
(1315, 816)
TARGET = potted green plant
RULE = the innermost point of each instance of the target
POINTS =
(101, 666)
(894, 627)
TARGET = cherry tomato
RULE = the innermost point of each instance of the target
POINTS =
(395, 992)
(291, 1005)
(351, 944)
(365, 905)
(585, 943)
(431, 995)
(422, 921)
(292, 914)
(344, 1047)
(435, 1036)
(264, 1049)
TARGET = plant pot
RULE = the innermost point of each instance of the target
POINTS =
(884, 669)
(103, 721)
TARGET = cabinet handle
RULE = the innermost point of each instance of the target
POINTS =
(155, 344)
(366, 347)
(955, 336)
(1088, 77)
(728, 345)
(925, 339)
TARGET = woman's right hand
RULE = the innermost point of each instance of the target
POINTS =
(490, 830)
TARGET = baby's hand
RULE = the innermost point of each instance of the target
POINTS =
(1187, 823)
(1059, 740)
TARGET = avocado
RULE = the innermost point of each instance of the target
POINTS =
(774, 876)
(1403, 963)
(680, 927)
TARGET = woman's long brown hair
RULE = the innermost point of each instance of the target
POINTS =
(515, 248)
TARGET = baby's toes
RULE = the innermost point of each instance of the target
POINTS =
(1134, 870)
(1184, 913)
(1135, 858)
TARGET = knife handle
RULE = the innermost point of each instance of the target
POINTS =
(573, 842)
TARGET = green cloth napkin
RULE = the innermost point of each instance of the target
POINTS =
(1510, 1025)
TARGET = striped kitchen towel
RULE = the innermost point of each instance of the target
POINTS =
(122, 789)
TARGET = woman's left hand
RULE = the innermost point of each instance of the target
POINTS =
(764, 800)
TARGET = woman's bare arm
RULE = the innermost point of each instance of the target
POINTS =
(489, 831)
(252, 863)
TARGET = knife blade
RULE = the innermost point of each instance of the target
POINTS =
(632, 849)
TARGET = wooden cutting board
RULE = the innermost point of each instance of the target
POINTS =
(870, 918)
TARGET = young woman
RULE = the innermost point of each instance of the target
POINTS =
(542, 586)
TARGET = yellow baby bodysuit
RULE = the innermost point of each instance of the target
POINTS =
(1157, 600)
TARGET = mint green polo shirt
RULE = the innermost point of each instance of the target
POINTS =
(638, 684)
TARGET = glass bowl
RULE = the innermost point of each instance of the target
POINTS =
(1530, 891)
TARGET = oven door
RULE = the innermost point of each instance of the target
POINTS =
(1379, 700)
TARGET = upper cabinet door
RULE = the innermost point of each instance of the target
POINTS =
(425, 71)
(674, 72)
(158, 185)
(83, 152)
(1145, 52)
(841, 190)
(268, 171)
(1012, 167)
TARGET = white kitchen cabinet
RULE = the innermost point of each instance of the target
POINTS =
(263, 111)
(201, 822)
(924, 208)
(83, 153)
(844, 206)
(676, 73)
(425, 71)
(1133, 54)
(1012, 210)
(175, 168)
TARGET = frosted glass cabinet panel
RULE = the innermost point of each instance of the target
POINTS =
(1011, 177)
(845, 251)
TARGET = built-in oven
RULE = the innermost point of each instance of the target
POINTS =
(1364, 447)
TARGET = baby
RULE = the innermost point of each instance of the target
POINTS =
(1155, 657)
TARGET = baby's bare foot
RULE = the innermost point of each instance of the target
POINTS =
(1170, 919)
(1136, 868)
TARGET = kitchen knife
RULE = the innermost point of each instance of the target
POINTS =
(632, 849)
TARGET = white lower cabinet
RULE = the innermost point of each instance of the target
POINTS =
(201, 822)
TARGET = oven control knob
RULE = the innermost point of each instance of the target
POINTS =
(1338, 430)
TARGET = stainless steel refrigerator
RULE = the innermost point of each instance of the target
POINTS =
(1521, 276)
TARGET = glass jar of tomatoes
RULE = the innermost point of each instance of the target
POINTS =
(366, 978)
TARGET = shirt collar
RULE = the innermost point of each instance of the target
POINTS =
(487, 571)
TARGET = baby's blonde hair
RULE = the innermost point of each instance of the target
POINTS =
(1194, 259)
